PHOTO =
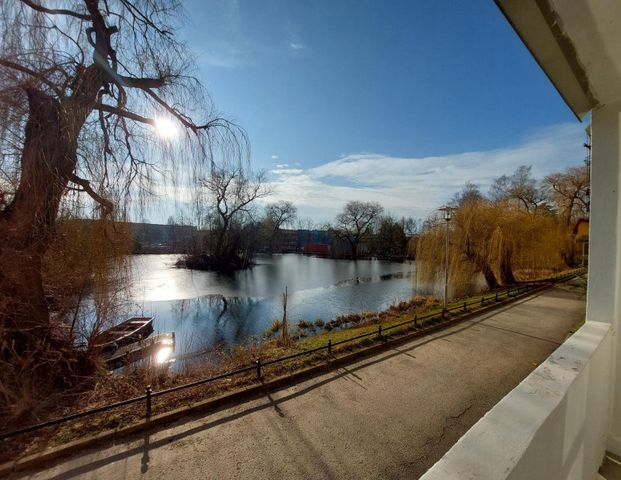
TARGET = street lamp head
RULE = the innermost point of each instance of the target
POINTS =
(448, 213)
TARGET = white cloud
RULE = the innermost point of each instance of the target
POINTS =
(294, 41)
(274, 157)
(416, 186)
(283, 172)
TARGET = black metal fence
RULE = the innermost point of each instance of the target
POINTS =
(258, 365)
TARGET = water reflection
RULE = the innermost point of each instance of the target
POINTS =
(164, 355)
(206, 309)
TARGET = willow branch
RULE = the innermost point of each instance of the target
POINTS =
(21, 68)
(86, 186)
(124, 113)
(185, 121)
(56, 11)
(139, 15)
(142, 83)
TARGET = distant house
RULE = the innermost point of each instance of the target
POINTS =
(154, 238)
(581, 231)
(581, 237)
(315, 242)
(320, 249)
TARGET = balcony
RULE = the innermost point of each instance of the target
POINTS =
(564, 419)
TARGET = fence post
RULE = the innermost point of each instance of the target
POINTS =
(415, 319)
(147, 391)
(329, 346)
(465, 306)
(379, 332)
(482, 300)
(258, 364)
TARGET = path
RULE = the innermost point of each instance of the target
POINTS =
(389, 416)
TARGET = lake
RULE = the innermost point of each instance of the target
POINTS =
(205, 309)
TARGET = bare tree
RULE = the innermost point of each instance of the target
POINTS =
(230, 193)
(469, 193)
(306, 224)
(356, 221)
(519, 187)
(569, 192)
(276, 216)
(410, 226)
(85, 86)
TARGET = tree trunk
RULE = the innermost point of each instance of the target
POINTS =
(488, 273)
(26, 225)
(506, 270)
(219, 256)
(354, 250)
(34, 356)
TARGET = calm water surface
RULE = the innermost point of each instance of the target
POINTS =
(205, 309)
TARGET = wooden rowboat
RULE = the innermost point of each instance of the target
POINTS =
(125, 333)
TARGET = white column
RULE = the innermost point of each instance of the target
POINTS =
(604, 291)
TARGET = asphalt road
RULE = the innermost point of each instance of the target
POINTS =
(389, 416)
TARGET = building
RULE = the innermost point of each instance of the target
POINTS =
(563, 418)
(154, 238)
(289, 241)
(581, 231)
(315, 242)
(319, 249)
(581, 238)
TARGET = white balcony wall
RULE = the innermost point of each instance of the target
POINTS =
(604, 293)
(552, 426)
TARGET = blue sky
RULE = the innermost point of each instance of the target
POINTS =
(396, 101)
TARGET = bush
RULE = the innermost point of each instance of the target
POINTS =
(319, 323)
(276, 325)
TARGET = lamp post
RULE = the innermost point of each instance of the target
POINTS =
(448, 214)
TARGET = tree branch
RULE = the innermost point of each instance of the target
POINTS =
(185, 121)
(142, 83)
(32, 73)
(139, 15)
(85, 184)
(124, 113)
(56, 11)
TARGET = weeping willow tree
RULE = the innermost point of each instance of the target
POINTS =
(540, 243)
(502, 243)
(96, 97)
(430, 258)
(86, 275)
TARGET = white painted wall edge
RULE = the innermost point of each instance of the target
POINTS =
(553, 425)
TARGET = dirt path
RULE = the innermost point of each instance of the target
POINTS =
(389, 416)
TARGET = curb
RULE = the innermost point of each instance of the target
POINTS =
(243, 395)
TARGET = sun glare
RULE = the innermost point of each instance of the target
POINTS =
(163, 355)
(165, 127)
